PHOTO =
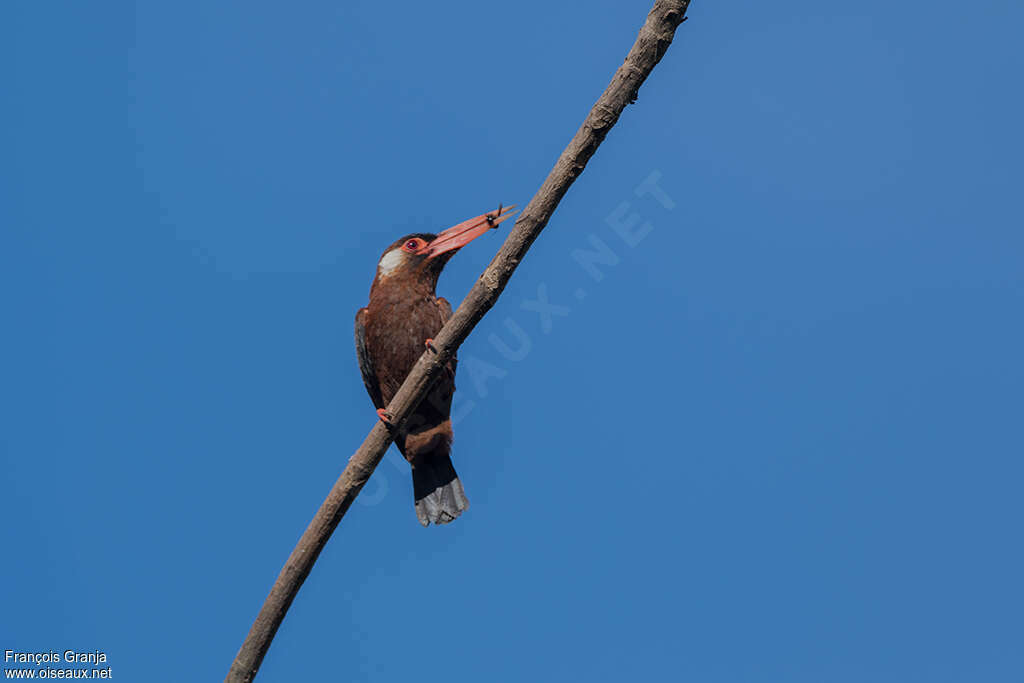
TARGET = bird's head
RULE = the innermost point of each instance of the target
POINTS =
(420, 257)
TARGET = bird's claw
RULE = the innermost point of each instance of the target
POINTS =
(384, 416)
(429, 343)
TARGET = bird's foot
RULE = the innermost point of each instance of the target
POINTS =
(429, 343)
(384, 416)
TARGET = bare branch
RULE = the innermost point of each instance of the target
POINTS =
(651, 44)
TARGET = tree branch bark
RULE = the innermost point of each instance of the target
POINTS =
(651, 44)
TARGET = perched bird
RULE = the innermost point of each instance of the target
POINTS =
(402, 317)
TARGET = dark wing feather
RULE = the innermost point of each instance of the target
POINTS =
(366, 362)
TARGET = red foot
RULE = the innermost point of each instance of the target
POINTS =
(384, 416)
(430, 345)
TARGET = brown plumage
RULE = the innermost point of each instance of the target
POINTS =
(403, 313)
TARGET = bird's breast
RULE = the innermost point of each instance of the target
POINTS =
(396, 329)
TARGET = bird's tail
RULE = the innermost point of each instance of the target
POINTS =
(437, 489)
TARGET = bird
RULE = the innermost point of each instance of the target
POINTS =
(402, 317)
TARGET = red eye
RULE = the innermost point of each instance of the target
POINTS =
(412, 245)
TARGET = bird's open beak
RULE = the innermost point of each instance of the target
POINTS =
(465, 232)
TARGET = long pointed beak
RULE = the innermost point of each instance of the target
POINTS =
(465, 232)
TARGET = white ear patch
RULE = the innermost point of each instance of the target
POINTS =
(390, 261)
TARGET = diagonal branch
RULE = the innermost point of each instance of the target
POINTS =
(650, 46)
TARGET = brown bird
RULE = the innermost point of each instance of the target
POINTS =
(403, 315)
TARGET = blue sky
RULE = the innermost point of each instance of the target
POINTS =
(778, 440)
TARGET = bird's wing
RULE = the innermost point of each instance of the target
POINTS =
(366, 362)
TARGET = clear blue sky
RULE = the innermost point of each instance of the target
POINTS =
(779, 440)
